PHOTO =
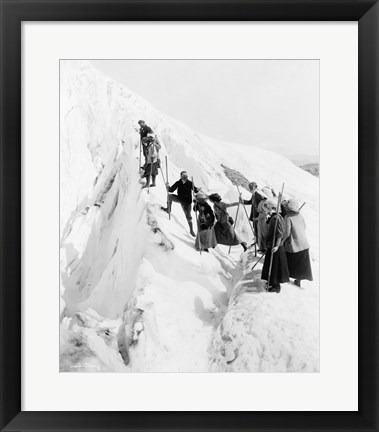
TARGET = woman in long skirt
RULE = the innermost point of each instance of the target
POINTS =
(296, 243)
(224, 230)
(263, 210)
(152, 161)
(279, 270)
(206, 237)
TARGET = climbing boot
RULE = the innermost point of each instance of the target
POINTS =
(275, 289)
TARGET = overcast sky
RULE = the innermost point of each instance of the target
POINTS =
(272, 104)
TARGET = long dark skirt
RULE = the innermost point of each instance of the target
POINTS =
(205, 239)
(226, 235)
(299, 265)
(151, 169)
(279, 270)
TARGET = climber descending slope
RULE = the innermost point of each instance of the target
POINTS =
(185, 188)
(225, 233)
(144, 131)
(206, 237)
(150, 169)
(184, 197)
(269, 233)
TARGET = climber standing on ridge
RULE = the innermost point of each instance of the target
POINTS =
(274, 242)
(224, 230)
(296, 244)
(152, 161)
(184, 197)
(144, 131)
(254, 201)
(206, 237)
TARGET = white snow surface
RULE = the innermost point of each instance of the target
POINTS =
(135, 294)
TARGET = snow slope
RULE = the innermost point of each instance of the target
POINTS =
(135, 295)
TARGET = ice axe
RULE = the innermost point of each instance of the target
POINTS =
(248, 219)
(264, 253)
(238, 209)
(168, 198)
(197, 222)
(274, 236)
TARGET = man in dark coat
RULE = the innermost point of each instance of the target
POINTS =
(254, 201)
(184, 197)
(144, 129)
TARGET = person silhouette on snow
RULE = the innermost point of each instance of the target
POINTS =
(254, 201)
(279, 271)
(184, 197)
(152, 161)
(224, 230)
(144, 131)
(206, 237)
(296, 244)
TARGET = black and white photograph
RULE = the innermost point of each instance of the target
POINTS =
(189, 216)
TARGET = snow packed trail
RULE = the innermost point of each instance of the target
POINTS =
(135, 294)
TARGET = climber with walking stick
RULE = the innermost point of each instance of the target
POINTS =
(225, 226)
(254, 201)
(205, 238)
(195, 208)
(275, 268)
(168, 197)
(249, 219)
(152, 162)
(183, 197)
(144, 131)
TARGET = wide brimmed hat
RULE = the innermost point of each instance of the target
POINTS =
(266, 192)
(215, 197)
(291, 205)
(201, 195)
(271, 202)
(264, 206)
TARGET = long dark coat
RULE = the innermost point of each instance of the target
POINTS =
(206, 237)
(279, 269)
(224, 231)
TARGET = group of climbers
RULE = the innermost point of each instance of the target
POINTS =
(209, 234)
(286, 246)
(279, 230)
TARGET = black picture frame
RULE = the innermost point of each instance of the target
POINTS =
(13, 12)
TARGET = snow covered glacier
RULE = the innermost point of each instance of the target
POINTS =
(135, 295)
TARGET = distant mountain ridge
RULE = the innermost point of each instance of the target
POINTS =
(303, 159)
(313, 168)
